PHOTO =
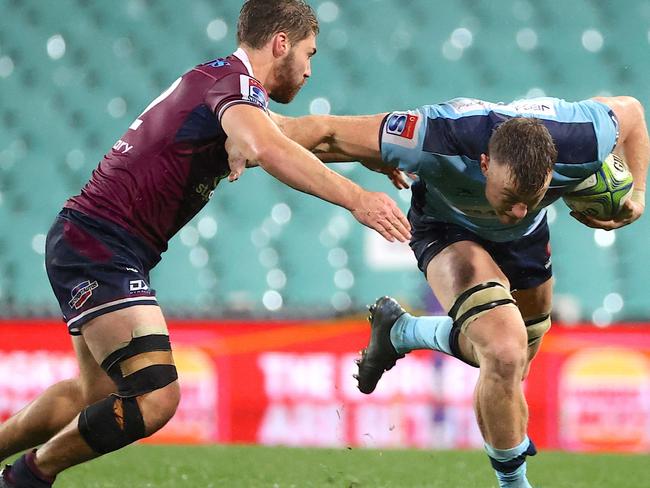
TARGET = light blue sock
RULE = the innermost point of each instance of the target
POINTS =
(432, 332)
(516, 478)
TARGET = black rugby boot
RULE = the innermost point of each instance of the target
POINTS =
(380, 355)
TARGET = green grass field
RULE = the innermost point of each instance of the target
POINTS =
(244, 466)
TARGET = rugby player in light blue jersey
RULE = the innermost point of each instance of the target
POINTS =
(485, 173)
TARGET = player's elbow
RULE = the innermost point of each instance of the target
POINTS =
(635, 107)
(255, 148)
(269, 154)
(320, 134)
(322, 127)
(627, 107)
(632, 118)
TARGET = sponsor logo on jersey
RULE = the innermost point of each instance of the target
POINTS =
(206, 189)
(533, 106)
(402, 125)
(462, 105)
(217, 63)
(138, 285)
(122, 147)
(81, 293)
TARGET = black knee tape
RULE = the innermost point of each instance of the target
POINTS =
(111, 423)
(147, 379)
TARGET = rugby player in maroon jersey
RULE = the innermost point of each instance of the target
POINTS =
(105, 241)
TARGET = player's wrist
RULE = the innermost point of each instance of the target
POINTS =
(638, 196)
(355, 200)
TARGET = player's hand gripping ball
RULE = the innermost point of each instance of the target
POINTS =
(603, 194)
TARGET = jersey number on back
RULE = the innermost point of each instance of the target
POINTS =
(137, 122)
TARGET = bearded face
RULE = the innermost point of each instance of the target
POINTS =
(289, 78)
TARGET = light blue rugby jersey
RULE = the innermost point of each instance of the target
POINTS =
(442, 144)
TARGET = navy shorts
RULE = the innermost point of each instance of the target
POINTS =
(526, 262)
(96, 267)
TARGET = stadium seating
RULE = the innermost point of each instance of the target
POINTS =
(74, 75)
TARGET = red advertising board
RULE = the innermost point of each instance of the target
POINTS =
(291, 383)
(589, 389)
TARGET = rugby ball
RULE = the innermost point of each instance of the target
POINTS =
(602, 194)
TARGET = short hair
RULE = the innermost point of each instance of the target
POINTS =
(524, 145)
(260, 20)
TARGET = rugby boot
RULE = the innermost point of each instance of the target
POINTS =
(380, 355)
(20, 474)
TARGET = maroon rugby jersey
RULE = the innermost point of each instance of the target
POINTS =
(166, 166)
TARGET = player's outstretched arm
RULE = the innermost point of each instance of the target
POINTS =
(342, 138)
(254, 137)
(335, 137)
(634, 145)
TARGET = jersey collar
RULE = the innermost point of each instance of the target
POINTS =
(243, 57)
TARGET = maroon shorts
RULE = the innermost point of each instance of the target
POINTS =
(96, 267)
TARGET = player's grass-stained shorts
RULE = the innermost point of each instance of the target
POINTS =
(96, 267)
(526, 261)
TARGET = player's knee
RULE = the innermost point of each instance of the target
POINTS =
(147, 395)
(505, 359)
(111, 424)
(471, 305)
(159, 406)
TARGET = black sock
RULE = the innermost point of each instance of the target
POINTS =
(26, 475)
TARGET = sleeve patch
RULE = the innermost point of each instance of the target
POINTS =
(253, 91)
(402, 125)
(401, 129)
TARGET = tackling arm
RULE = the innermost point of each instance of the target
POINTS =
(253, 136)
(342, 138)
(335, 138)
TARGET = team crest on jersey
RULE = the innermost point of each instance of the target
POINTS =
(402, 125)
(253, 91)
(81, 293)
